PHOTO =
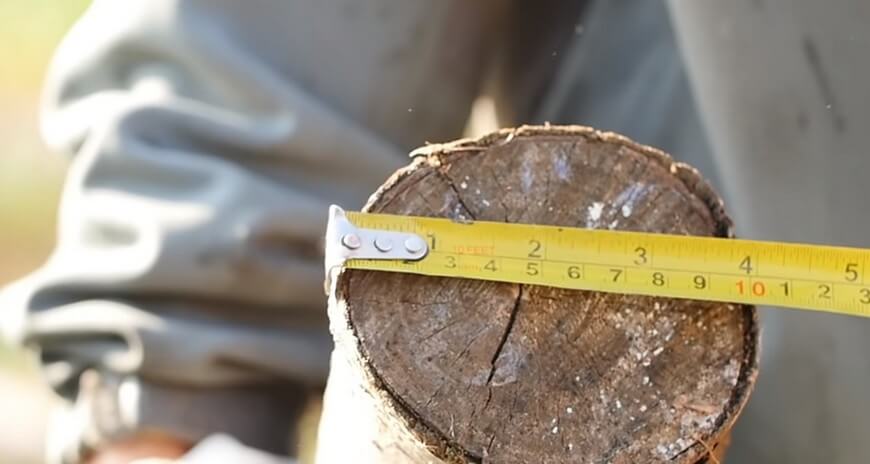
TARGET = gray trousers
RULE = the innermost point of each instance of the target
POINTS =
(208, 138)
(784, 92)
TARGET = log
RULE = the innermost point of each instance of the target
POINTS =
(445, 370)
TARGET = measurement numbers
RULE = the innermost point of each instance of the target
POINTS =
(765, 273)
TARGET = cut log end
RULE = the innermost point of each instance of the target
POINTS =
(474, 371)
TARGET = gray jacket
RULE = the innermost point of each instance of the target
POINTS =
(209, 138)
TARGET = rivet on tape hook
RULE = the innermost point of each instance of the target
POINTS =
(346, 241)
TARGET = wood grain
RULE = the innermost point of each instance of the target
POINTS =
(455, 370)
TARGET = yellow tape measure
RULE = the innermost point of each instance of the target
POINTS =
(822, 278)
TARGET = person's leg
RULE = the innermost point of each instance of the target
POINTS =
(784, 92)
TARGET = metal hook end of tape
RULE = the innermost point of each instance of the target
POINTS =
(345, 241)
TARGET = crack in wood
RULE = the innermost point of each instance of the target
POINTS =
(447, 179)
(583, 361)
(507, 331)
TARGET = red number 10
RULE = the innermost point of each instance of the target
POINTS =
(758, 288)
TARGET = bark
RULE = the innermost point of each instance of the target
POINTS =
(451, 370)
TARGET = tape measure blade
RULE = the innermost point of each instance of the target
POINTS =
(813, 277)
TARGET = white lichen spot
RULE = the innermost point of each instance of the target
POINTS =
(458, 214)
(562, 168)
(690, 421)
(508, 364)
(594, 213)
(732, 372)
(658, 351)
(463, 185)
(681, 444)
(645, 380)
(570, 446)
(618, 404)
(643, 408)
(527, 173)
(555, 430)
(629, 197)
(485, 202)
(569, 410)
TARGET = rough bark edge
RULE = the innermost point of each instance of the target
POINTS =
(431, 156)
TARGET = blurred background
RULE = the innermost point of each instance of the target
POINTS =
(31, 179)
(30, 183)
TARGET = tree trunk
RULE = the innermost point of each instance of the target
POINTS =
(431, 369)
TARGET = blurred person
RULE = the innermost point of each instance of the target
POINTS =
(184, 299)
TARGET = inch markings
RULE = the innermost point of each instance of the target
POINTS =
(814, 277)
